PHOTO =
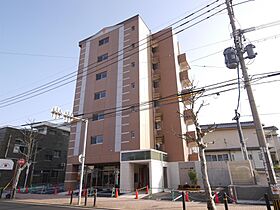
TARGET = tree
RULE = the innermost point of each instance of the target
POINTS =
(193, 96)
(28, 143)
(193, 177)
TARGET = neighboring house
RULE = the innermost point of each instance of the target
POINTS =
(128, 81)
(50, 152)
(224, 143)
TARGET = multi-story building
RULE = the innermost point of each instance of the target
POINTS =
(127, 86)
(48, 157)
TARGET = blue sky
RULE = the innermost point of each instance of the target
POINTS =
(49, 32)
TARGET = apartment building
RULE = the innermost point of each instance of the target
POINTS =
(50, 143)
(127, 86)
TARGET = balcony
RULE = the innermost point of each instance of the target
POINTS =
(183, 62)
(190, 136)
(158, 116)
(156, 76)
(193, 157)
(155, 59)
(189, 116)
(184, 78)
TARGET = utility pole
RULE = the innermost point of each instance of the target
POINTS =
(237, 35)
(68, 117)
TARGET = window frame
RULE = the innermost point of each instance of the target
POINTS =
(101, 75)
(99, 95)
(98, 116)
(98, 139)
(103, 41)
(102, 57)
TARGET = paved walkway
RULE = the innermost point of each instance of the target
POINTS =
(126, 202)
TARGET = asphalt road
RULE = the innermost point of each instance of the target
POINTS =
(4, 205)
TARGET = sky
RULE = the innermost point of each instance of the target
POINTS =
(39, 44)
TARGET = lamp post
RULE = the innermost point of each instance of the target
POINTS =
(68, 117)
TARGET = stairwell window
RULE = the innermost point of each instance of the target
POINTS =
(155, 66)
(102, 57)
(97, 139)
(103, 41)
(97, 116)
(101, 75)
(100, 95)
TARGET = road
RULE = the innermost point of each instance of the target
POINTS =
(5, 205)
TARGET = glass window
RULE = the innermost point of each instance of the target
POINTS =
(103, 41)
(57, 153)
(48, 157)
(155, 66)
(133, 85)
(132, 28)
(132, 133)
(101, 75)
(220, 157)
(208, 158)
(154, 49)
(102, 57)
(97, 116)
(250, 156)
(214, 157)
(260, 156)
(156, 103)
(156, 84)
(97, 139)
(158, 125)
(133, 45)
(225, 157)
(133, 64)
(99, 95)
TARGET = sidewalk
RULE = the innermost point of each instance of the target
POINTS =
(126, 202)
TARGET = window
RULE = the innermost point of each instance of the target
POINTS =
(132, 64)
(222, 157)
(103, 41)
(250, 156)
(155, 66)
(101, 75)
(158, 125)
(54, 174)
(132, 133)
(133, 85)
(97, 139)
(225, 157)
(99, 95)
(132, 28)
(156, 84)
(214, 157)
(132, 45)
(208, 158)
(97, 116)
(57, 154)
(154, 49)
(156, 103)
(48, 157)
(102, 57)
(19, 146)
(260, 156)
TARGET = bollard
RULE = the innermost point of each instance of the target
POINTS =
(69, 191)
(1, 192)
(94, 196)
(216, 198)
(86, 197)
(147, 189)
(117, 193)
(187, 196)
(267, 201)
(183, 200)
(136, 194)
(26, 189)
(55, 190)
(225, 201)
(71, 197)
(18, 190)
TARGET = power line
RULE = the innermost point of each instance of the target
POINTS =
(13, 100)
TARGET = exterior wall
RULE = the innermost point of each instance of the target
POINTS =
(173, 175)
(171, 120)
(126, 177)
(145, 87)
(156, 175)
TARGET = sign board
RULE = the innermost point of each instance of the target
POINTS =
(274, 189)
(6, 164)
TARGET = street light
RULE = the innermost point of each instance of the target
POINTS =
(68, 117)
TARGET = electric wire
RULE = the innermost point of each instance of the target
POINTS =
(63, 79)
